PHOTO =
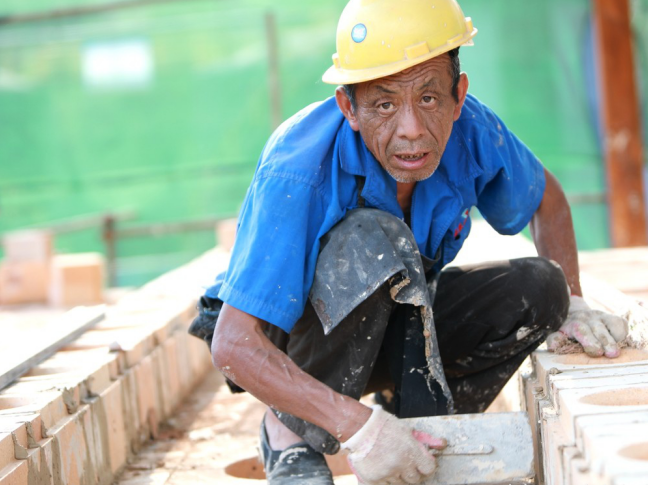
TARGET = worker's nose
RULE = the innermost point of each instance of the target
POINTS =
(410, 124)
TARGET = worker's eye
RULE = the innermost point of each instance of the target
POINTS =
(386, 107)
(429, 100)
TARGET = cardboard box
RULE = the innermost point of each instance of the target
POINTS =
(28, 245)
(77, 279)
(24, 282)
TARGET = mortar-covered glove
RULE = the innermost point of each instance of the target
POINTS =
(598, 332)
(387, 451)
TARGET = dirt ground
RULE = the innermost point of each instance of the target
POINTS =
(211, 431)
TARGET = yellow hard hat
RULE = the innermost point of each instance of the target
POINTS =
(377, 38)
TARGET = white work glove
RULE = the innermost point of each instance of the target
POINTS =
(598, 332)
(387, 451)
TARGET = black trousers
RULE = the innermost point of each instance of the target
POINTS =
(488, 319)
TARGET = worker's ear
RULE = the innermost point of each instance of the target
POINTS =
(344, 103)
(462, 91)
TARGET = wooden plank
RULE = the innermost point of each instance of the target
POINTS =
(621, 123)
(26, 348)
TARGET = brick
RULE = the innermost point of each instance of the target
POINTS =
(90, 376)
(134, 343)
(148, 399)
(14, 474)
(40, 464)
(130, 411)
(109, 429)
(200, 359)
(28, 245)
(7, 455)
(77, 279)
(184, 361)
(24, 282)
(171, 377)
(70, 450)
(31, 424)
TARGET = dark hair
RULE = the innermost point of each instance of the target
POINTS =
(455, 72)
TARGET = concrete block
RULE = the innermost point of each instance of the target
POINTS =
(478, 452)
(578, 472)
(77, 279)
(547, 363)
(626, 395)
(553, 444)
(612, 421)
(28, 245)
(617, 453)
(24, 282)
(569, 455)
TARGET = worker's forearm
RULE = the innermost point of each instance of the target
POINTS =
(244, 354)
(553, 232)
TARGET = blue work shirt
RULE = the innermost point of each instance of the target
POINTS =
(305, 182)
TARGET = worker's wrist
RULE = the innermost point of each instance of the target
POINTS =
(368, 432)
(356, 419)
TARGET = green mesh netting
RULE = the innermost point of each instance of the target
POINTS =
(175, 133)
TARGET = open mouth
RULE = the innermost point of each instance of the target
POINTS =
(411, 158)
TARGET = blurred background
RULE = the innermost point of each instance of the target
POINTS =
(129, 128)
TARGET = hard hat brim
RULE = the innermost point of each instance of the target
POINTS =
(335, 75)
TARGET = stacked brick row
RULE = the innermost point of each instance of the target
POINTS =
(589, 417)
(81, 415)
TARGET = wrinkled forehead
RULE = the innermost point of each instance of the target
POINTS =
(435, 73)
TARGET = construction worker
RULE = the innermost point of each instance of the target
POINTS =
(336, 286)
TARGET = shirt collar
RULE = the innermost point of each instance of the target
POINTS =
(355, 158)
(457, 167)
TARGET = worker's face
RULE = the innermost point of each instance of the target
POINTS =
(406, 119)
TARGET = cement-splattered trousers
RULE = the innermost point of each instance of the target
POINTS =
(378, 317)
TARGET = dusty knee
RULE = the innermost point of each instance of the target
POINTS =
(544, 286)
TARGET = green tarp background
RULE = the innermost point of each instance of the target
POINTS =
(175, 134)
